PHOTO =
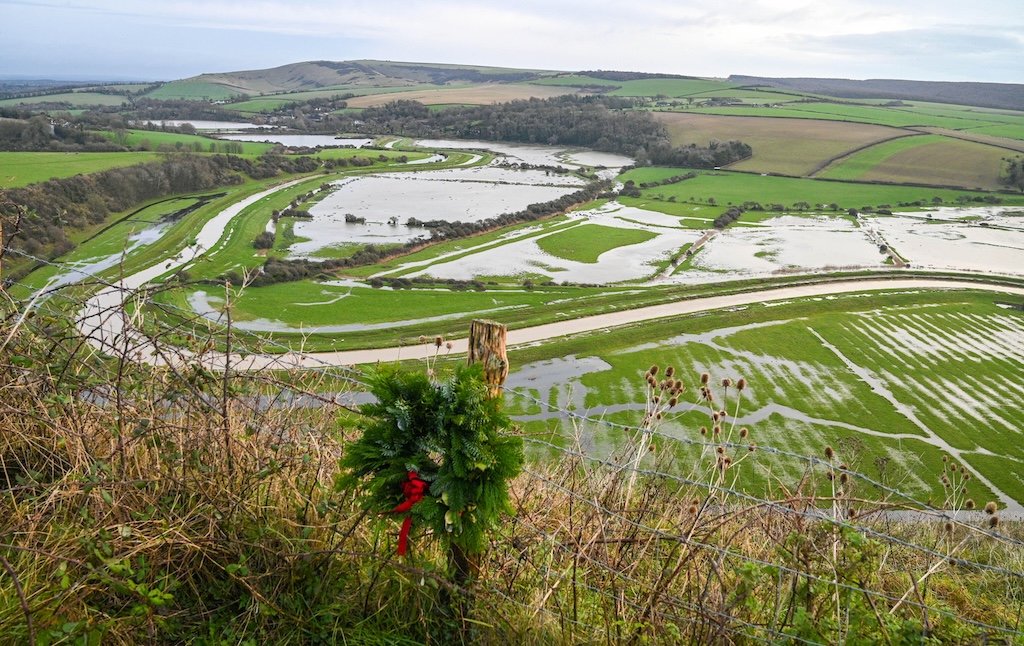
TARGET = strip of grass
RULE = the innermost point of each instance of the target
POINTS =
(835, 112)
(586, 243)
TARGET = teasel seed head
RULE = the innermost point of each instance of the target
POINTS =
(829, 453)
(949, 527)
(703, 430)
(692, 510)
(718, 429)
(830, 474)
(705, 378)
(673, 401)
(449, 345)
(990, 508)
(945, 458)
(423, 338)
(969, 503)
(669, 371)
(993, 521)
(752, 447)
(714, 417)
(726, 382)
(720, 450)
(438, 341)
(741, 383)
(744, 432)
(654, 369)
(844, 477)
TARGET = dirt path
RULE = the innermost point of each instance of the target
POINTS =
(525, 336)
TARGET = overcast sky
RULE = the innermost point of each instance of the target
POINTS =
(940, 40)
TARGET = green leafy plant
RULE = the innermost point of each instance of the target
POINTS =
(450, 434)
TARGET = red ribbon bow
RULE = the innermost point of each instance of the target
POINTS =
(413, 490)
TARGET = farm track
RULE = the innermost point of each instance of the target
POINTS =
(536, 334)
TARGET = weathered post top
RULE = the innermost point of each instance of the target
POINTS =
(487, 346)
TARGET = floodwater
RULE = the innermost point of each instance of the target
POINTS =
(786, 243)
(462, 194)
(524, 256)
(86, 270)
(532, 154)
(992, 244)
(300, 141)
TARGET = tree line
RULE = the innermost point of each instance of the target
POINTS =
(56, 207)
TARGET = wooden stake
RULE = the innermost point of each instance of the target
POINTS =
(487, 346)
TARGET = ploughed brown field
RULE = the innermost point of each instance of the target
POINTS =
(480, 95)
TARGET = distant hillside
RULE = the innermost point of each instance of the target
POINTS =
(1006, 96)
(325, 74)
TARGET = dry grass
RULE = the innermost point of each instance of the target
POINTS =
(176, 505)
(480, 95)
(787, 146)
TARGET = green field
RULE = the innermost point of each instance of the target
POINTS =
(879, 115)
(193, 90)
(74, 99)
(586, 243)
(671, 88)
(196, 143)
(20, 169)
(736, 188)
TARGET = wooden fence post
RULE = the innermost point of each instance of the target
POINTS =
(487, 346)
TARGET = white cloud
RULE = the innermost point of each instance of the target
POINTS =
(859, 38)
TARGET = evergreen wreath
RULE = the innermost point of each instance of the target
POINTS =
(447, 433)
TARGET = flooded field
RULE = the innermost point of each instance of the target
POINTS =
(388, 201)
(980, 239)
(536, 155)
(300, 141)
(782, 244)
(522, 256)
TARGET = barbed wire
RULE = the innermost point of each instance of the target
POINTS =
(811, 460)
(802, 573)
(905, 501)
